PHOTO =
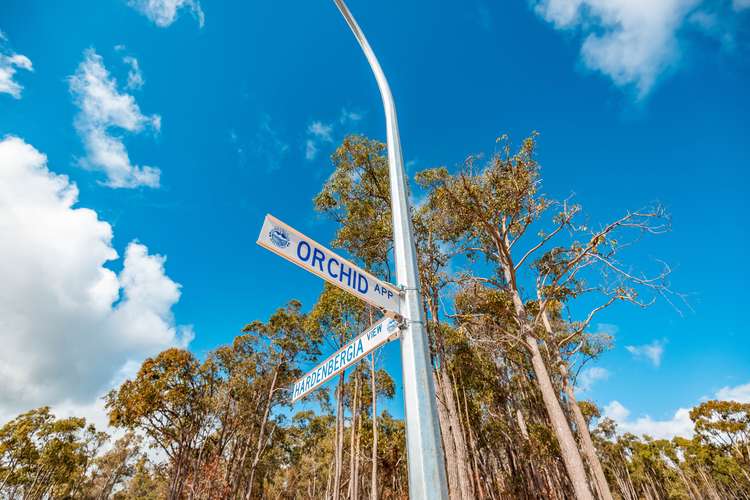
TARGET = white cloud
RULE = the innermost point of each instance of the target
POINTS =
(135, 77)
(164, 12)
(103, 107)
(321, 131)
(562, 13)
(722, 21)
(590, 376)
(268, 145)
(631, 41)
(348, 116)
(652, 352)
(311, 149)
(70, 327)
(94, 412)
(706, 21)
(238, 147)
(10, 63)
(607, 329)
(740, 393)
(317, 133)
(679, 425)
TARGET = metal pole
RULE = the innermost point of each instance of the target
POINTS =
(425, 453)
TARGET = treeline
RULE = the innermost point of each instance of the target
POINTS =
(511, 281)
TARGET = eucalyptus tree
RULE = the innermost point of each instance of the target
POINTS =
(148, 482)
(357, 197)
(487, 211)
(725, 424)
(267, 358)
(359, 389)
(508, 428)
(42, 456)
(113, 468)
(336, 318)
(589, 270)
(308, 449)
(492, 210)
(169, 400)
(216, 420)
(433, 251)
(722, 431)
(712, 464)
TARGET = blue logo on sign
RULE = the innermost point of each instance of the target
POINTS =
(392, 326)
(279, 237)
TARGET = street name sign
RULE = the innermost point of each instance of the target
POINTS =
(294, 246)
(372, 338)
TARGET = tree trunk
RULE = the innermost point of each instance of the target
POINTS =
(473, 448)
(522, 424)
(175, 487)
(261, 433)
(587, 444)
(374, 474)
(11, 468)
(328, 483)
(454, 442)
(456, 432)
(449, 449)
(352, 437)
(355, 495)
(339, 452)
(568, 448)
(239, 469)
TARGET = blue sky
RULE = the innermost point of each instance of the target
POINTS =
(182, 123)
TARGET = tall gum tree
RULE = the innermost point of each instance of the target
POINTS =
(168, 400)
(588, 269)
(490, 210)
(273, 349)
(336, 318)
(434, 259)
(487, 211)
(357, 196)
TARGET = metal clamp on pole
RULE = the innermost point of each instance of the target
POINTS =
(402, 290)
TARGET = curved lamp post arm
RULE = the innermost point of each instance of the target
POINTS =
(424, 447)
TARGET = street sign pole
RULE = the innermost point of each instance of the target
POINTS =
(425, 454)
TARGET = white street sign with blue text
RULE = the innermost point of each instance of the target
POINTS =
(317, 259)
(375, 336)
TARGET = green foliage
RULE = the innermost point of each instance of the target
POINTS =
(590, 411)
(357, 196)
(705, 466)
(147, 483)
(43, 456)
(723, 423)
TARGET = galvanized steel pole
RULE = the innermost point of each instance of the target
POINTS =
(425, 453)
